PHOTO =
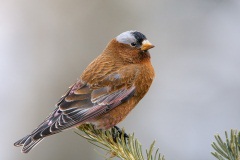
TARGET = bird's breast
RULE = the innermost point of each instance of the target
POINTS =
(144, 80)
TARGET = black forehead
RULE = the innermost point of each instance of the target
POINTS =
(139, 36)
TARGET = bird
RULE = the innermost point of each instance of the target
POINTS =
(108, 89)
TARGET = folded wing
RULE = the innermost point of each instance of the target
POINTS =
(81, 103)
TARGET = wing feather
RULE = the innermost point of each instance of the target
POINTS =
(83, 102)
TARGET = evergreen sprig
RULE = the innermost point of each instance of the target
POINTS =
(117, 145)
(229, 150)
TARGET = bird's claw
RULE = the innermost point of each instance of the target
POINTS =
(118, 133)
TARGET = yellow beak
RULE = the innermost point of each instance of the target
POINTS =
(146, 45)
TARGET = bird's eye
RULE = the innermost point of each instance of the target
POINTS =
(133, 44)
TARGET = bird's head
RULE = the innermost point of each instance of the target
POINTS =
(134, 39)
(131, 46)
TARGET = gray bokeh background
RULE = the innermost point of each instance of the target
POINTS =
(45, 45)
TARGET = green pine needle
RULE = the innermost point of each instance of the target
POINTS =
(126, 149)
(228, 150)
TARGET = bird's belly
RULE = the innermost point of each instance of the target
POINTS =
(114, 116)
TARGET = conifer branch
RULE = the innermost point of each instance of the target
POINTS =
(229, 150)
(117, 145)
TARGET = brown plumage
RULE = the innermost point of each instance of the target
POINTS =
(109, 88)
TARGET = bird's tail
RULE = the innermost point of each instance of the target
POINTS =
(27, 142)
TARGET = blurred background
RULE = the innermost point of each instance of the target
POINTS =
(45, 46)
